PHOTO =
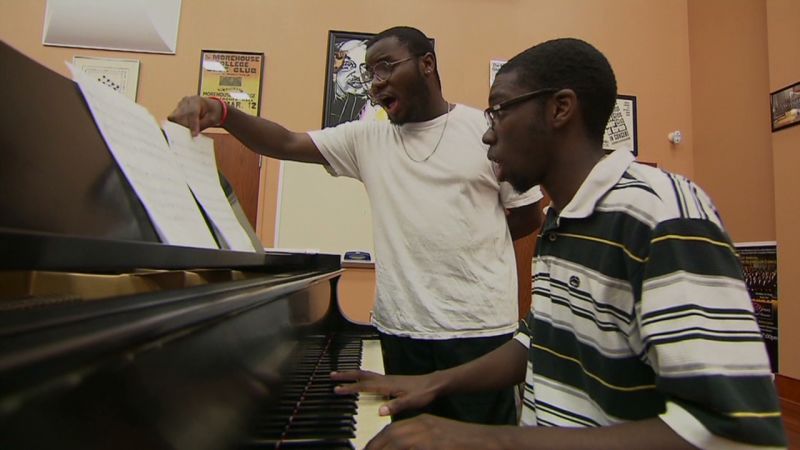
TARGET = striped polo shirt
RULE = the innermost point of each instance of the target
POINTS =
(639, 311)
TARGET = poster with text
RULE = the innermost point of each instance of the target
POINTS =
(235, 77)
(760, 266)
(621, 133)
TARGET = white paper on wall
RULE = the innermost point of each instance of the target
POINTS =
(127, 25)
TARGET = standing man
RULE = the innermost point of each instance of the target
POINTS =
(642, 333)
(446, 279)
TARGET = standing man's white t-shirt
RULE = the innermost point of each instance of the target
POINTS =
(444, 256)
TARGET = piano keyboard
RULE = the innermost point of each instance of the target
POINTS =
(308, 414)
(368, 422)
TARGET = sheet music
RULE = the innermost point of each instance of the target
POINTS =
(196, 159)
(136, 142)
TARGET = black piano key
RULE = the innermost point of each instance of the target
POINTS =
(328, 444)
(270, 426)
(306, 412)
(311, 402)
(323, 412)
(308, 433)
(320, 433)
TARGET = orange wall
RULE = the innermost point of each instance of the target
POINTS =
(784, 69)
(730, 107)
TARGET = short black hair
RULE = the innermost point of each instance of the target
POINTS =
(570, 63)
(415, 40)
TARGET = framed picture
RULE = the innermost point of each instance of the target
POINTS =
(345, 95)
(121, 75)
(621, 128)
(785, 107)
(234, 77)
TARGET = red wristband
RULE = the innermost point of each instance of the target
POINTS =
(224, 110)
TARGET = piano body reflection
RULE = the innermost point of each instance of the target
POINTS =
(111, 339)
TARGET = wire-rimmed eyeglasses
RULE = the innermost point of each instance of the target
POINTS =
(381, 71)
(492, 113)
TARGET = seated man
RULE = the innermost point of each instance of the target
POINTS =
(641, 334)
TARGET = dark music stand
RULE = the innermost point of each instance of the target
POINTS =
(64, 202)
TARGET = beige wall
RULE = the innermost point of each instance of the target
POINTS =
(698, 66)
(730, 107)
(784, 69)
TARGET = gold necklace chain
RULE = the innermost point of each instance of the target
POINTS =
(436, 147)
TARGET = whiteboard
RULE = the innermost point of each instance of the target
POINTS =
(323, 212)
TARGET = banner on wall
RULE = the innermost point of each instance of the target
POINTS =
(235, 77)
(760, 266)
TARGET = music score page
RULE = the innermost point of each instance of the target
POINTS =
(196, 159)
(142, 153)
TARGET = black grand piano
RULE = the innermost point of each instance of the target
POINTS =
(110, 339)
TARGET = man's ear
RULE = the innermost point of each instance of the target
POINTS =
(428, 63)
(564, 109)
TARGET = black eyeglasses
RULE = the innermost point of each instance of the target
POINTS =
(492, 113)
(380, 70)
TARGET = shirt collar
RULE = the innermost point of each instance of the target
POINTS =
(603, 176)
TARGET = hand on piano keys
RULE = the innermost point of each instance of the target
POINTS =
(309, 415)
(368, 420)
(383, 395)
(398, 393)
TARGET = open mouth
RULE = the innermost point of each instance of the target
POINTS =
(388, 102)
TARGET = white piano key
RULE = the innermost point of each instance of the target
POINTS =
(368, 422)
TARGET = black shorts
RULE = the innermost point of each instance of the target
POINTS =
(407, 356)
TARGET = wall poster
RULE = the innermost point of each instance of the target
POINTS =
(234, 77)
(346, 96)
(621, 128)
(760, 266)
